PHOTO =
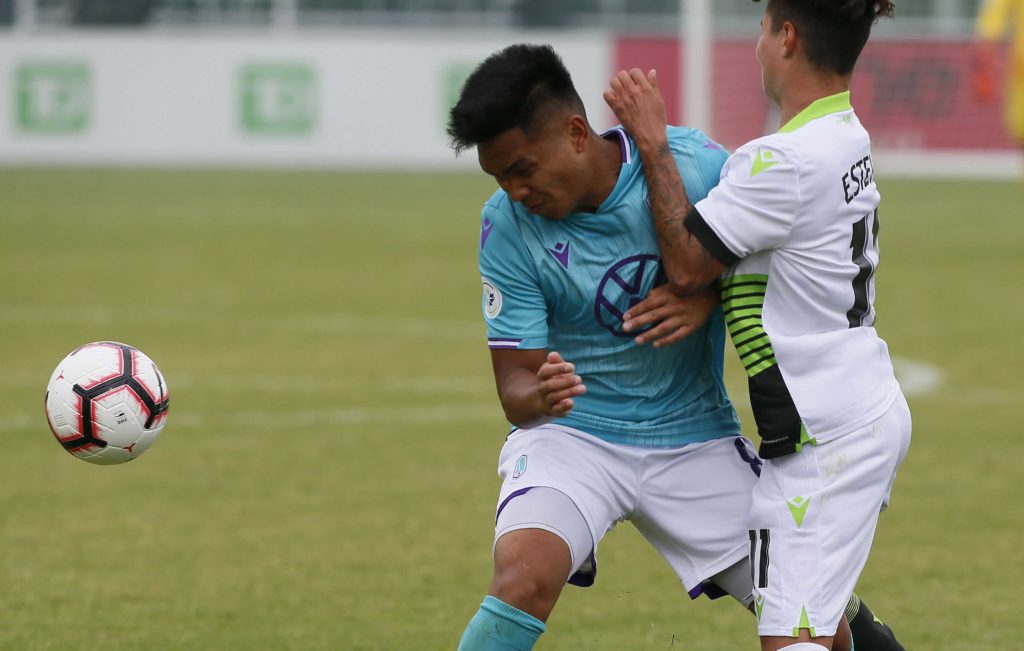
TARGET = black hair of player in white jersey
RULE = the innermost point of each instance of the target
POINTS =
(833, 31)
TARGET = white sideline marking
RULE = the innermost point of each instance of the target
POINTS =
(324, 323)
(916, 378)
(302, 418)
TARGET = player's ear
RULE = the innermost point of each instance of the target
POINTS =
(789, 38)
(579, 132)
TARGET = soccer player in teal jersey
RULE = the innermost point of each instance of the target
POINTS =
(564, 284)
(605, 429)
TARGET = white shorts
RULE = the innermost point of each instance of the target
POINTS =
(691, 503)
(812, 520)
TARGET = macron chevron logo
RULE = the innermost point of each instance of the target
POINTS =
(485, 232)
(561, 253)
(764, 159)
(798, 507)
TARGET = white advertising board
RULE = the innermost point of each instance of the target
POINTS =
(345, 99)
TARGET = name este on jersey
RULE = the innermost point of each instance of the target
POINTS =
(860, 176)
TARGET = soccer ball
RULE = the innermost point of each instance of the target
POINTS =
(106, 402)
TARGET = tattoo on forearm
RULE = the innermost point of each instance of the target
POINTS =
(670, 206)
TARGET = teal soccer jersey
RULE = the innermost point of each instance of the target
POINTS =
(564, 285)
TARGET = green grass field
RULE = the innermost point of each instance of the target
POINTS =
(327, 478)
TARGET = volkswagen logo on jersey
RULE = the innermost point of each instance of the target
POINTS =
(624, 285)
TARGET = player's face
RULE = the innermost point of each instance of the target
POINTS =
(543, 171)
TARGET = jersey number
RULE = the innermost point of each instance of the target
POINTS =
(861, 243)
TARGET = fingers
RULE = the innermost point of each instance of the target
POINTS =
(558, 385)
(556, 397)
(557, 393)
(561, 409)
(646, 312)
(555, 366)
(652, 78)
(667, 332)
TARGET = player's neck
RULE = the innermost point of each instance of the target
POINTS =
(603, 169)
(803, 91)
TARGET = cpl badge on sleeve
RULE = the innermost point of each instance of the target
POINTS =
(492, 298)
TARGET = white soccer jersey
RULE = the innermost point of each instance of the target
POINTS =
(795, 217)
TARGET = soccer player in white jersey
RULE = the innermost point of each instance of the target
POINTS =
(791, 230)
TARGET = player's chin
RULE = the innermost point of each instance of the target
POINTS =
(551, 212)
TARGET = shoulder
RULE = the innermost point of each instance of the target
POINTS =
(500, 213)
(700, 160)
(694, 141)
(499, 207)
(501, 232)
(769, 157)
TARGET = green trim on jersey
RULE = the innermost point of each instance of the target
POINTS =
(805, 439)
(819, 108)
(742, 303)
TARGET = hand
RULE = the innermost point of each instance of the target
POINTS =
(557, 385)
(638, 105)
(676, 317)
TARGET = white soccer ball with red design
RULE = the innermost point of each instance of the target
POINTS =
(106, 402)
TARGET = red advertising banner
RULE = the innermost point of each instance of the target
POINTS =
(910, 94)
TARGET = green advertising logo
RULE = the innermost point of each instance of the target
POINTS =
(279, 99)
(455, 76)
(52, 97)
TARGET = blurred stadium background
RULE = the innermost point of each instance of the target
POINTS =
(259, 195)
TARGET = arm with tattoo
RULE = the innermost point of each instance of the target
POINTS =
(638, 104)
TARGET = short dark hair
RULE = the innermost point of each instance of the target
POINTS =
(833, 31)
(508, 90)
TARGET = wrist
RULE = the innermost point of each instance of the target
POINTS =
(651, 145)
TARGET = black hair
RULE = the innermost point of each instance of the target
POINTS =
(833, 32)
(509, 90)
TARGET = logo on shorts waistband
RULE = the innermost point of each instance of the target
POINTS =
(520, 467)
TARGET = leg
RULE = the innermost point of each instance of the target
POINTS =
(530, 568)
(813, 519)
(803, 643)
(540, 534)
(869, 633)
(735, 580)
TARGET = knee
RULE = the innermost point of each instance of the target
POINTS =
(527, 588)
(530, 569)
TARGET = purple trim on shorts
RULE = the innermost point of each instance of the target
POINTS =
(509, 499)
(709, 589)
(749, 456)
(587, 574)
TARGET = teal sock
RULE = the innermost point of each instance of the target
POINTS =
(500, 627)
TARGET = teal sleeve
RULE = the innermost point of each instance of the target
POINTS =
(700, 160)
(513, 302)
